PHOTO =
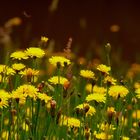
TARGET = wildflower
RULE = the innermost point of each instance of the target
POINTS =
(19, 55)
(136, 114)
(55, 60)
(19, 97)
(18, 66)
(103, 69)
(69, 121)
(125, 138)
(13, 22)
(108, 47)
(66, 85)
(44, 39)
(102, 136)
(90, 111)
(111, 109)
(4, 96)
(106, 127)
(25, 126)
(6, 70)
(95, 89)
(34, 52)
(87, 74)
(134, 70)
(44, 97)
(137, 91)
(27, 90)
(137, 85)
(58, 80)
(5, 135)
(81, 61)
(96, 97)
(30, 73)
(110, 80)
(110, 113)
(118, 91)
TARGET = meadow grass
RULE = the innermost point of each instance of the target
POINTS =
(46, 96)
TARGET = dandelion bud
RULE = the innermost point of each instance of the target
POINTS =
(110, 114)
(87, 134)
(40, 86)
(86, 108)
(77, 110)
(58, 116)
(44, 39)
(108, 47)
(17, 100)
(139, 123)
(129, 107)
(58, 65)
(13, 112)
(53, 104)
(134, 100)
(53, 107)
(65, 64)
(132, 132)
(66, 85)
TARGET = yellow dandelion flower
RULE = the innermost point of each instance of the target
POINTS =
(87, 74)
(136, 114)
(25, 126)
(55, 60)
(137, 85)
(118, 90)
(106, 127)
(90, 111)
(96, 89)
(18, 66)
(73, 122)
(44, 39)
(27, 90)
(111, 110)
(103, 68)
(34, 52)
(110, 80)
(19, 97)
(29, 72)
(4, 135)
(3, 79)
(102, 136)
(69, 121)
(6, 70)
(19, 55)
(96, 97)
(44, 97)
(125, 138)
(57, 80)
(137, 91)
(10, 71)
(135, 124)
(4, 96)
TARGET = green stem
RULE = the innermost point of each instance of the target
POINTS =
(1, 126)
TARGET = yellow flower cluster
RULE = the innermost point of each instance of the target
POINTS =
(89, 110)
(58, 80)
(87, 74)
(118, 90)
(55, 60)
(103, 68)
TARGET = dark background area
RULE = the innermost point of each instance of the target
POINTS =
(88, 22)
